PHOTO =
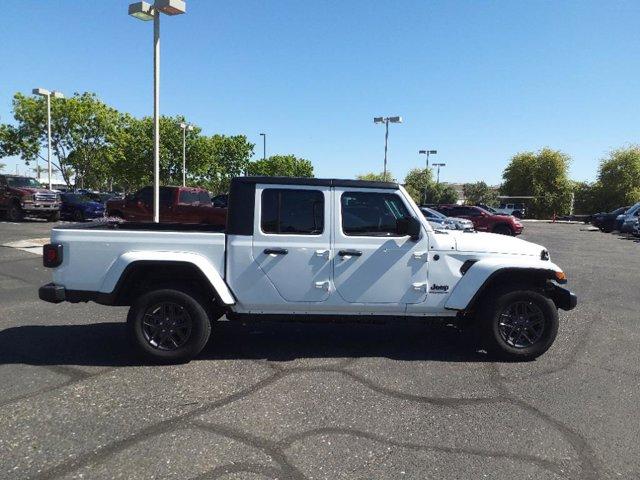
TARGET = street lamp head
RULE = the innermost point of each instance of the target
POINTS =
(263, 134)
(141, 11)
(190, 127)
(57, 94)
(433, 152)
(170, 7)
(422, 152)
(183, 125)
(439, 164)
(378, 119)
(41, 91)
(395, 119)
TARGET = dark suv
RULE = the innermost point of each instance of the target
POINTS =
(484, 221)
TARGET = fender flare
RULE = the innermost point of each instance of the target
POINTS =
(127, 260)
(479, 276)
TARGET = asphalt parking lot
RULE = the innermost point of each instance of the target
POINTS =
(324, 401)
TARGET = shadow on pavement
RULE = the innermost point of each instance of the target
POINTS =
(107, 344)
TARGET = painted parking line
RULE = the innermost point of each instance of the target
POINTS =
(30, 245)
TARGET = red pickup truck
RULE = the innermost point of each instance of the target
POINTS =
(24, 196)
(177, 205)
(484, 221)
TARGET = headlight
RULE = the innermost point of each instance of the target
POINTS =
(28, 198)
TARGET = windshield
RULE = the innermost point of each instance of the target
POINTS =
(23, 182)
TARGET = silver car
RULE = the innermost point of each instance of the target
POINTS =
(441, 221)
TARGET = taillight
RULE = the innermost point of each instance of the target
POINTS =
(52, 255)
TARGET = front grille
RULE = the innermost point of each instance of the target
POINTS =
(45, 197)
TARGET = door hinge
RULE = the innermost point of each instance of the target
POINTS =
(419, 255)
(322, 253)
(419, 286)
(322, 285)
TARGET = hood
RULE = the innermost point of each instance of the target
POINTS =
(493, 243)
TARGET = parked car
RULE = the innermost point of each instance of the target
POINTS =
(319, 249)
(24, 196)
(177, 205)
(484, 221)
(606, 222)
(79, 207)
(439, 220)
(515, 209)
(628, 219)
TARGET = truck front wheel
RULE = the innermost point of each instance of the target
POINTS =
(518, 324)
(169, 325)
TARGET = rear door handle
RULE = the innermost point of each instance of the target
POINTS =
(276, 251)
(350, 253)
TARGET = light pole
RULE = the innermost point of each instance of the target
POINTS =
(386, 121)
(46, 93)
(427, 153)
(264, 145)
(439, 165)
(145, 11)
(184, 127)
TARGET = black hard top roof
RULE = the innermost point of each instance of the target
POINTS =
(318, 182)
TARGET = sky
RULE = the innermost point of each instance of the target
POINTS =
(476, 80)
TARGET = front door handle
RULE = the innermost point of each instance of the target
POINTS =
(350, 253)
(276, 251)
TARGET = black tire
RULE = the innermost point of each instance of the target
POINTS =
(506, 341)
(144, 326)
(14, 212)
(502, 230)
(115, 214)
(78, 216)
(54, 217)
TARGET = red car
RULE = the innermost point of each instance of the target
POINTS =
(484, 221)
(177, 205)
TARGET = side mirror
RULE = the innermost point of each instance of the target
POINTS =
(408, 226)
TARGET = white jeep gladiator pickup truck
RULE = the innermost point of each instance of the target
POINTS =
(310, 249)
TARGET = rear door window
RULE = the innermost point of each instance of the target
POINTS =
(291, 211)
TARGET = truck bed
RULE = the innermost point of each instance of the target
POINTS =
(106, 248)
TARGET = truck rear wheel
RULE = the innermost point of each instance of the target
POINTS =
(518, 324)
(169, 325)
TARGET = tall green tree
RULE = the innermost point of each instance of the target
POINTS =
(282, 166)
(544, 175)
(80, 126)
(619, 178)
(376, 177)
(587, 198)
(419, 184)
(479, 192)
